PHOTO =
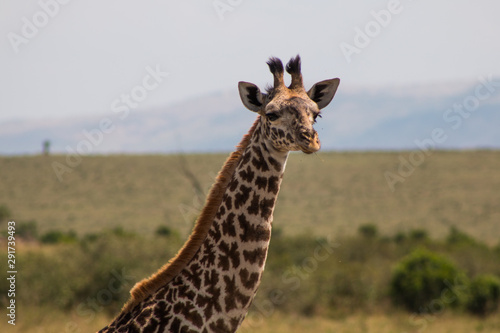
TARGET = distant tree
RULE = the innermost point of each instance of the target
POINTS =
(5, 213)
(46, 147)
(163, 230)
(120, 232)
(368, 230)
(419, 234)
(457, 236)
(27, 230)
(400, 237)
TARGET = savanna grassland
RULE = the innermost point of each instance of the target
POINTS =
(87, 234)
(324, 194)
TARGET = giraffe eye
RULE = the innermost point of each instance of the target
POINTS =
(272, 116)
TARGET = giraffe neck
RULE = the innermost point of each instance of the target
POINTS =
(212, 290)
(236, 246)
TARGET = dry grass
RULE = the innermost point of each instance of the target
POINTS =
(374, 323)
(326, 193)
(33, 321)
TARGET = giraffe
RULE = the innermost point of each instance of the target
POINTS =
(209, 285)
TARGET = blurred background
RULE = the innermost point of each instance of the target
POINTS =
(116, 116)
(403, 65)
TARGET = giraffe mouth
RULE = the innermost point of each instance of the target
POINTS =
(309, 143)
(309, 149)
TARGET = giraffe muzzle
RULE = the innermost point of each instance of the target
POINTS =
(309, 142)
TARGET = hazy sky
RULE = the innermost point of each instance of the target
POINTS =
(76, 58)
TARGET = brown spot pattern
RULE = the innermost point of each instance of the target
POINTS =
(222, 276)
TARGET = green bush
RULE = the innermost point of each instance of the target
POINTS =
(419, 235)
(484, 294)
(426, 282)
(304, 274)
(90, 275)
(5, 213)
(164, 231)
(457, 237)
(57, 236)
(368, 230)
(400, 237)
(27, 230)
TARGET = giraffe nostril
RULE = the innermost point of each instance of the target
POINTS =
(307, 136)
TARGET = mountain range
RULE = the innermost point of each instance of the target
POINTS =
(465, 115)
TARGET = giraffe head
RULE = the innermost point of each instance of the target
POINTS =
(288, 113)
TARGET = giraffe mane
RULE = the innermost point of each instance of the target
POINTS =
(171, 269)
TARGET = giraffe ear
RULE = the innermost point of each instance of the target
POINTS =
(251, 96)
(322, 92)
